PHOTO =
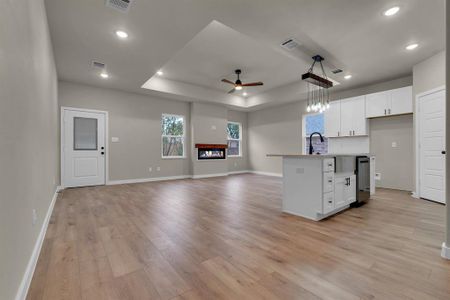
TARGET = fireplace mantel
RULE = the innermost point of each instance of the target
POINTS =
(210, 146)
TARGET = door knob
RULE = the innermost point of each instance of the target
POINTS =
(443, 152)
(102, 153)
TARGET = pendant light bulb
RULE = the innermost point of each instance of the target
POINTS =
(308, 109)
(328, 105)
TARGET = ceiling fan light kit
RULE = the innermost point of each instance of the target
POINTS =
(238, 85)
(318, 87)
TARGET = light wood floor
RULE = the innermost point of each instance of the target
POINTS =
(226, 238)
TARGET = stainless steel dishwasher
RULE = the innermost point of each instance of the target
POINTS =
(362, 172)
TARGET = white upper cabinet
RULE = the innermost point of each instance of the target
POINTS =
(333, 119)
(387, 103)
(346, 118)
(401, 101)
(377, 104)
(353, 116)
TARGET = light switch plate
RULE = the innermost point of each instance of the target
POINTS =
(114, 139)
(394, 144)
(377, 176)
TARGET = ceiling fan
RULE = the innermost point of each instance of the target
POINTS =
(238, 85)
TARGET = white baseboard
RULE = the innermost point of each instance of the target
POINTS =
(414, 195)
(267, 173)
(28, 276)
(209, 175)
(141, 180)
(239, 172)
(445, 253)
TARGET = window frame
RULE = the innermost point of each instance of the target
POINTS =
(183, 137)
(304, 135)
(239, 140)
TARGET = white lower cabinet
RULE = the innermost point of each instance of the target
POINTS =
(344, 190)
(328, 202)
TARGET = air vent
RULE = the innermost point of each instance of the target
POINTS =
(120, 5)
(98, 65)
(336, 71)
(290, 44)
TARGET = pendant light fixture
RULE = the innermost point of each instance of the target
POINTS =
(318, 93)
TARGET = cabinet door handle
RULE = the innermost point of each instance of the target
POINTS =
(353, 132)
(329, 201)
(350, 132)
(389, 111)
(339, 133)
(385, 111)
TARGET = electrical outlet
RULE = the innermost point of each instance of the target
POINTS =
(213, 127)
(34, 217)
(377, 176)
(394, 144)
(158, 169)
(150, 169)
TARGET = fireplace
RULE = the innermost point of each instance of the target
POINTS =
(211, 151)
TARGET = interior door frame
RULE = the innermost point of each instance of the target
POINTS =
(62, 139)
(416, 193)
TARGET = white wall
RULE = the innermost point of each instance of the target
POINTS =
(208, 123)
(236, 164)
(28, 135)
(136, 121)
(429, 74)
(395, 164)
(272, 131)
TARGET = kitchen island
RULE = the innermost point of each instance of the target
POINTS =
(318, 186)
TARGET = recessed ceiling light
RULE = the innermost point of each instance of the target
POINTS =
(391, 11)
(122, 34)
(160, 73)
(104, 75)
(412, 46)
(244, 94)
(348, 76)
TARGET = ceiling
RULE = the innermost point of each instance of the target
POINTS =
(196, 43)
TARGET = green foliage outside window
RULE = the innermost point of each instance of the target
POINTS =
(172, 128)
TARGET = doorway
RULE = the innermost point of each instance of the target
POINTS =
(430, 108)
(83, 147)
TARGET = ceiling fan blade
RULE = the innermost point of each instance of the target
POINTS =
(232, 91)
(228, 81)
(253, 84)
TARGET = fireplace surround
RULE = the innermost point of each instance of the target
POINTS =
(211, 151)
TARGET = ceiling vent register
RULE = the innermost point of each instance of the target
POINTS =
(290, 44)
(119, 5)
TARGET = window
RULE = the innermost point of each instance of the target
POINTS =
(315, 123)
(234, 139)
(172, 138)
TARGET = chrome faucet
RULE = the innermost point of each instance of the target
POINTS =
(311, 149)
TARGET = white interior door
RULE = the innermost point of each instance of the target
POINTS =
(83, 148)
(432, 146)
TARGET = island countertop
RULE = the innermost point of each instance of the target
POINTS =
(329, 155)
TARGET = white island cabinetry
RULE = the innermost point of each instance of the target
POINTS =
(312, 189)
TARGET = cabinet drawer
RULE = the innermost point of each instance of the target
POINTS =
(328, 202)
(328, 165)
(328, 182)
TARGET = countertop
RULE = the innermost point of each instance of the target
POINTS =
(294, 155)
